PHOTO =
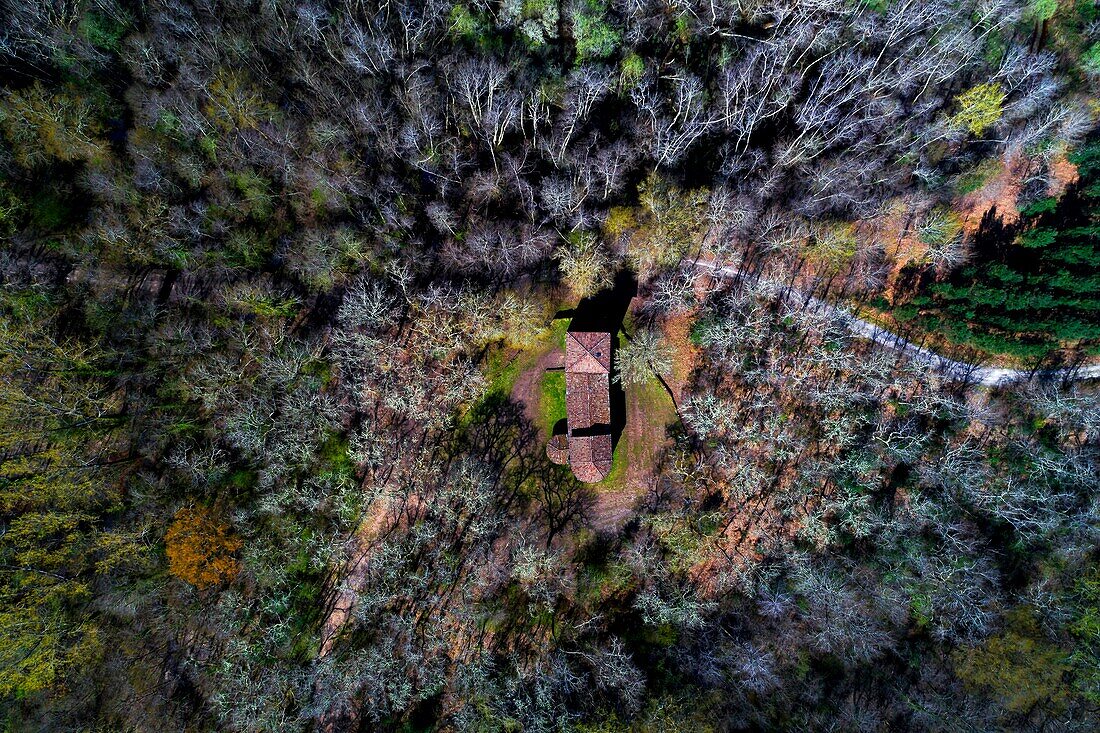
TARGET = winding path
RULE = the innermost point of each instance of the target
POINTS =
(987, 376)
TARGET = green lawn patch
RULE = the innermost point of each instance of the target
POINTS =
(638, 444)
(552, 399)
(557, 331)
(502, 366)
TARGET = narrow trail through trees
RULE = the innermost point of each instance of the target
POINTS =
(986, 376)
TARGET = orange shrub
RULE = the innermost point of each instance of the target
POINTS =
(201, 547)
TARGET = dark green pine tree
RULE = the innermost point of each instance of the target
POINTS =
(1033, 286)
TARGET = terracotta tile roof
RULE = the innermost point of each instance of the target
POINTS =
(588, 404)
(590, 457)
(586, 400)
(588, 352)
(557, 450)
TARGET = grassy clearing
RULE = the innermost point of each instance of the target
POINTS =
(551, 399)
(503, 365)
(502, 368)
(649, 410)
(557, 330)
(616, 478)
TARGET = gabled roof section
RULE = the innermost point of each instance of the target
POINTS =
(586, 399)
(587, 449)
(588, 352)
(590, 457)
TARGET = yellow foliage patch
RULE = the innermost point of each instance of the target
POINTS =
(1019, 667)
(980, 107)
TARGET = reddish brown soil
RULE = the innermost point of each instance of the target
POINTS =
(1063, 173)
(1000, 191)
(678, 332)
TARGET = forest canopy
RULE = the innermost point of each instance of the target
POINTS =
(284, 290)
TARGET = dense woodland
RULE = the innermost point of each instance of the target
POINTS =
(267, 269)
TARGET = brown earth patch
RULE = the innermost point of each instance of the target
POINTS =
(678, 332)
(354, 575)
(1062, 174)
(898, 235)
(1001, 191)
(613, 509)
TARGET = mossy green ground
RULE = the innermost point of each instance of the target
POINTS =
(503, 366)
(651, 406)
